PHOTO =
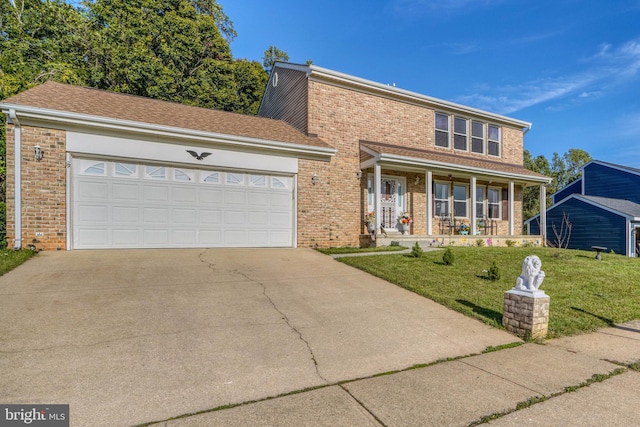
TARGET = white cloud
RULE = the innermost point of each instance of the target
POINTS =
(608, 68)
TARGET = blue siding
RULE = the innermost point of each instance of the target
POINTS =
(604, 181)
(592, 226)
(534, 225)
(574, 188)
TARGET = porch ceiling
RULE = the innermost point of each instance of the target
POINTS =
(417, 160)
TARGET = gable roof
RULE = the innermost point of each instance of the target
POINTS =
(326, 75)
(448, 162)
(75, 104)
(614, 166)
(621, 206)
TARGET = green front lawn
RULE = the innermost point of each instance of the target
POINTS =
(585, 294)
(10, 259)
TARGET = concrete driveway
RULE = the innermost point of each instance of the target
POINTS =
(134, 336)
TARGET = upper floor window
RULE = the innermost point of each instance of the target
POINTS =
(494, 140)
(442, 130)
(460, 133)
(477, 137)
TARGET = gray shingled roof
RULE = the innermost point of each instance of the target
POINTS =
(93, 102)
(625, 207)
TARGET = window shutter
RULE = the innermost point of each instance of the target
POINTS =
(505, 204)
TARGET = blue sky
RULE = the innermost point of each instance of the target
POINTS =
(570, 67)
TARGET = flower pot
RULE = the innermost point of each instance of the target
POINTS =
(404, 228)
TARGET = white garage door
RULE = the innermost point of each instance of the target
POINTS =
(127, 205)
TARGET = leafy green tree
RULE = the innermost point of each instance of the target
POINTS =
(271, 56)
(566, 168)
(531, 195)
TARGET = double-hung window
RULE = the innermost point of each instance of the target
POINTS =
(460, 200)
(460, 133)
(494, 140)
(477, 137)
(479, 202)
(493, 203)
(442, 199)
(442, 130)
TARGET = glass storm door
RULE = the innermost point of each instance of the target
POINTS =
(392, 199)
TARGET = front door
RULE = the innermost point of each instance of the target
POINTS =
(392, 200)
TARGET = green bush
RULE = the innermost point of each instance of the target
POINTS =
(448, 258)
(494, 272)
(479, 242)
(510, 243)
(416, 251)
(3, 225)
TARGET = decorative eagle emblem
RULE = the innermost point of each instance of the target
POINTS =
(198, 156)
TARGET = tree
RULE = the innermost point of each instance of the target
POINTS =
(566, 169)
(531, 195)
(271, 56)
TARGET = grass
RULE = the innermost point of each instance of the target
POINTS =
(10, 259)
(585, 294)
(351, 250)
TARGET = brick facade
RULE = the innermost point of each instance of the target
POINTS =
(43, 195)
(343, 117)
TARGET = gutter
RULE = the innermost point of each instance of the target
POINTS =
(17, 133)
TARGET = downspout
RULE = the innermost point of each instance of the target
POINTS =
(17, 135)
(527, 129)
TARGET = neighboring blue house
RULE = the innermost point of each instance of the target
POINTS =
(603, 208)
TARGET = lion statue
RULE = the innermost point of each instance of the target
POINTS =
(531, 277)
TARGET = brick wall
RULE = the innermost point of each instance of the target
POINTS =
(343, 117)
(44, 205)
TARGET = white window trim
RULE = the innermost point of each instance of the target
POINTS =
(436, 199)
(466, 134)
(466, 200)
(499, 190)
(485, 136)
(499, 141)
(449, 132)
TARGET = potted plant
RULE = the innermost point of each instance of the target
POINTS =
(463, 228)
(479, 226)
(370, 220)
(405, 220)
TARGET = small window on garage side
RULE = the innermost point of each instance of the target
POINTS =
(234, 178)
(125, 170)
(90, 167)
(280, 182)
(211, 177)
(182, 175)
(155, 172)
(257, 180)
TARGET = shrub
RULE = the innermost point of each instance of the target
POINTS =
(494, 272)
(479, 242)
(416, 251)
(510, 243)
(447, 258)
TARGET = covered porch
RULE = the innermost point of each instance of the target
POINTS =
(447, 197)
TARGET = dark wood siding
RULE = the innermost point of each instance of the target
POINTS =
(592, 226)
(574, 188)
(288, 99)
(604, 181)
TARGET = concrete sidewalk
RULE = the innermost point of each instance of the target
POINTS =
(581, 381)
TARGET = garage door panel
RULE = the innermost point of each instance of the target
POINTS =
(92, 191)
(155, 193)
(157, 207)
(153, 215)
(210, 196)
(125, 191)
(210, 217)
(91, 214)
(125, 214)
(126, 237)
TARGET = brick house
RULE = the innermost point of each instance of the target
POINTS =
(105, 170)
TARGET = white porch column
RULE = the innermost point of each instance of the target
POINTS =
(543, 214)
(511, 207)
(377, 191)
(429, 192)
(473, 206)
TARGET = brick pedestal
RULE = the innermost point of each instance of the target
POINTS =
(526, 313)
